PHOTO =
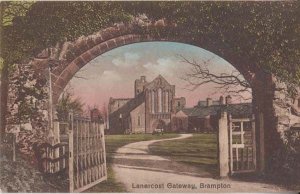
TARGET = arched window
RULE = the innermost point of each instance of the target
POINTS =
(139, 120)
(152, 101)
(167, 101)
(159, 99)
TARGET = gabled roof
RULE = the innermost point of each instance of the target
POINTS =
(115, 99)
(129, 106)
(204, 103)
(163, 82)
(240, 110)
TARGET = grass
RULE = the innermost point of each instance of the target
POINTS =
(200, 151)
(113, 142)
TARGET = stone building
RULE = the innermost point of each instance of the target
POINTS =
(152, 107)
(204, 117)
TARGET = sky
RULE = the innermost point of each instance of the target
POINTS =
(113, 73)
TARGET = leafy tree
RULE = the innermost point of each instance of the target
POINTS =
(45, 24)
(264, 34)
(26, 94)
(9, 10)
(66, 104)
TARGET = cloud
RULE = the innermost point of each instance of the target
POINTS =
(163, 66)
(128, 60)
(110, 76)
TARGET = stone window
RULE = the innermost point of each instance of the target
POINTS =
(178, 104)
(139, 120)
(159, 99)
(152, 101)
(167, 101)
(298, 102)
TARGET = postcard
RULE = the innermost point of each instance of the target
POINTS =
(150, 97)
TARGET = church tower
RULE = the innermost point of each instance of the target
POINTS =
(139, 85)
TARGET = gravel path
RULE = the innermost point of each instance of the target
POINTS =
(140, 172)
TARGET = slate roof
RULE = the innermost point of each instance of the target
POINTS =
(204, 103)
(240, 110)
(129, 106)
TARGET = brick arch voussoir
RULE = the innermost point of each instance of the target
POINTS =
(69, 69)
(62, 79)
(74, 55)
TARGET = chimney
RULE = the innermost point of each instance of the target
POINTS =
(209, 102)
(143, 78)
(222, 100)
(228, 99)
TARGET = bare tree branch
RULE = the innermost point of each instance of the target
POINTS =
(227, 83)
(80, 77)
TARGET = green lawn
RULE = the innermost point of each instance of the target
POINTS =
(200, 150)
(113, 142)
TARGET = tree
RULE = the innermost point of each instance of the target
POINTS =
(264, 34)
(27, 95)
(27, 28)
(9, 10)
(226, 83)
(68, 103)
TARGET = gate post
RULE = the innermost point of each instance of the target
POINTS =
(223, 150)
(71, 172)
(261, 143)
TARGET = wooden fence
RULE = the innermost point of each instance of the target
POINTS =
(87, 156)
(52, 158)
(242, 145)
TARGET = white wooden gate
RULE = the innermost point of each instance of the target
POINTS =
(87, 156)
(242, 145)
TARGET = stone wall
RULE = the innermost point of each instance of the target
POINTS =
(115, 103)
(138, 113)
(272, 105)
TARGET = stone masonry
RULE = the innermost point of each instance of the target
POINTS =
(278, 110)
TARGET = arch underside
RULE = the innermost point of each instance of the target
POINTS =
(70, 57)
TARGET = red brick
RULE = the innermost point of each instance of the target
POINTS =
(79, 62)
(98, 38)
(136, 38)
(90, 43)
(72, 68)
(60, 83)
(103, 46)
(87, 56)
(127, 39)
(111, 43)
(120, 41)
(95, 50)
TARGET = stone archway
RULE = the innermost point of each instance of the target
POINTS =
(68, 58)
